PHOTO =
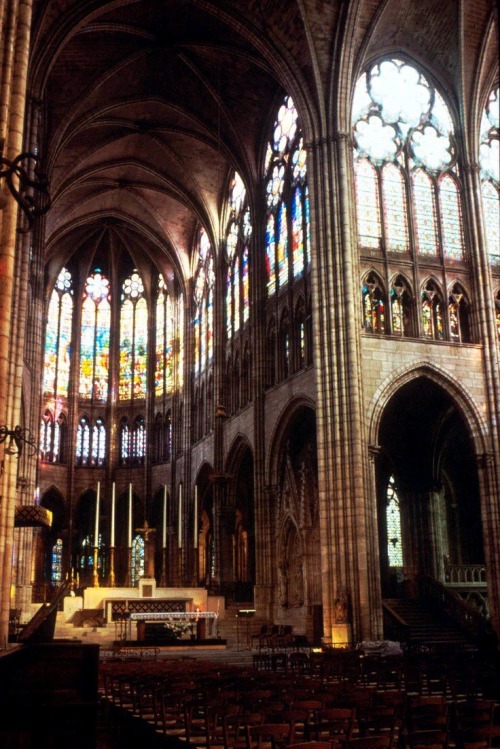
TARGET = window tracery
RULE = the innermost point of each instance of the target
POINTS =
(133, 339)
(458, 311)
(489, 159)
(287, 224)
(91, 442)
(408, 195)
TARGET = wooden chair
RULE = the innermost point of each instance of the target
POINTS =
(312, 745)
(370, 742)
(235, 729)
(268, 736)
(334, 724)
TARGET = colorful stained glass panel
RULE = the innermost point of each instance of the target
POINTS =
(297, 234)
(425, 214)
(367, 204)
(451, 219)
(395, 210)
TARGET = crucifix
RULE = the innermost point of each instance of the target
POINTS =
(149, 552)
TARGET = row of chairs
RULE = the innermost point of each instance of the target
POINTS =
(273, 637)
(220, 706)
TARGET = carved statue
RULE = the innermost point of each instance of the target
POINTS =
(341, 607)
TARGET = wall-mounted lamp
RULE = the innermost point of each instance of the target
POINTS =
(30, 193)
(17, 438)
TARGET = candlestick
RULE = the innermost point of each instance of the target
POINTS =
(195, 519)
(97, 502)
(164, 537)
(179, 537)
(130, 516)
(113, 498)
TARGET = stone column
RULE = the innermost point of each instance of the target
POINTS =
(15, 34)
(489, 458)
(348, 543)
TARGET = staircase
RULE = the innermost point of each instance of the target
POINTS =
(426, 625)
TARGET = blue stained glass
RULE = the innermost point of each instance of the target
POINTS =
(282, 259)
(56, 572)
(297, 234)
(245, 285)
(229, 303)
(271, 254)
(236, 288)
(308, 227)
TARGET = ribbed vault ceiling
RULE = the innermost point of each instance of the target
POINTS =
(149, 105)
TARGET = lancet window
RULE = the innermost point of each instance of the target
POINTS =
(489, 159)
(374, 304)
(432, 311)
(52, 437)
(91, 442)
(56, 561)
(137, 559)
(58, 337)
(133, 339)
(138, 441)
(393, 520)
(94, 344)
(169, 342)
(288, 253)
(204, 282)
(238, 235)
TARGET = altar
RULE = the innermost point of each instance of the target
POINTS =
(201, 625)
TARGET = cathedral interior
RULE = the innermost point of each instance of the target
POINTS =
(250, 305)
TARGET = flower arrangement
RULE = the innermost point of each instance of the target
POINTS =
(176, 628)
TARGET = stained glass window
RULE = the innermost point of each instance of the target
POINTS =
(94, 345)
(98, 453)
(432, 312)
(451, 219)
(297, 234)
(489, 159)
(401, 307)
(139, 441)
(497, 308)
(271, 254)
(168, 435)
(393, 520)
(133, 339)
(137, 559)
(404, 139)
(125, 451)
(425, 213)
(287, 227)
(395, 210)
(245, 280)
(58, 338)
(373, 305)
(52, 433)
(203, 322)
(458, 310)
(367, 200)
(167, 341)
(56, 566)
(238, 234)
(83, 442)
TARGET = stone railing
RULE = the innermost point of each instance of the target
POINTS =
(465, 575)
(465, 615)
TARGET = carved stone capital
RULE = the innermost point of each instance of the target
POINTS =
(374, 451)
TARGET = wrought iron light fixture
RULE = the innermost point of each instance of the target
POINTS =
(30, 192)
(17, 439)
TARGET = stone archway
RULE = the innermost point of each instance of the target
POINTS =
(427, 460)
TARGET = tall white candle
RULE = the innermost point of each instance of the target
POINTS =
(113, 499)
(97, 503)
(130, 516)
(164, 538)
(195, 518)
(179, 538)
